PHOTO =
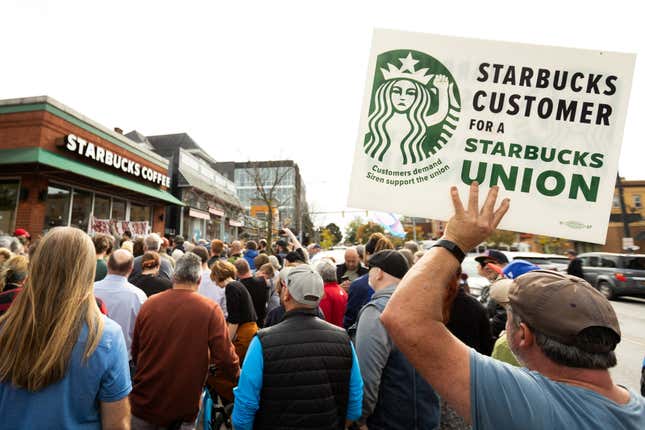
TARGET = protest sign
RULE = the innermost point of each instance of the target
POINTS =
(107, 226)
(545, 124)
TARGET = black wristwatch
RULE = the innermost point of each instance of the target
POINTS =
(452, 247)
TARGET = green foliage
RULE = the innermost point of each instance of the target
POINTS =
(502, 237)
(352, 228)
(364, 231)
(327, 239)
(335, 231)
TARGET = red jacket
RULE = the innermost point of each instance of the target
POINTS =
(333, 303)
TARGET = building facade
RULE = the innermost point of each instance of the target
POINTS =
(212, 209)
(281, 182)
(633, 195)
(60, 168)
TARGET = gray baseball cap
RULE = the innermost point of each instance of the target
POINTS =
(305, 285)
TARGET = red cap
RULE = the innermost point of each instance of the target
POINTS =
(21, 232)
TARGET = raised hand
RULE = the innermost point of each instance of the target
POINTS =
(469, 227)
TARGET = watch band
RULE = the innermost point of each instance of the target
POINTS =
(453, 248)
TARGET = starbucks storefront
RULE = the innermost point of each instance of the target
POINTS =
(58, 168)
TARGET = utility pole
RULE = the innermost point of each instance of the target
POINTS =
(623, 212)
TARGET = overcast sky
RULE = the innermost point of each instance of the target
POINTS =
(271, 79)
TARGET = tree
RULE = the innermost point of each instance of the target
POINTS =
(352, 229)
(335, 231)
(552, 245)
(502, 237)
(267, 177)
(364, 231)
(327, 239)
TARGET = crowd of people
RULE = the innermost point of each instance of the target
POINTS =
(123, 332)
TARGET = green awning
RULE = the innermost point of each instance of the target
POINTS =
(43, 156)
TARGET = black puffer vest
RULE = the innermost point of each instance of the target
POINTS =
(307, 366)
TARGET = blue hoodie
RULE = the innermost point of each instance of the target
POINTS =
(249, 256)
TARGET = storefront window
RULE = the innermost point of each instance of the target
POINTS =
(81, 207)
(139, 213)
(57, 207)
(8, 203)
(118, 210)
(101, 207)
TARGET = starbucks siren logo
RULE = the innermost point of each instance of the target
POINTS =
(413, 111)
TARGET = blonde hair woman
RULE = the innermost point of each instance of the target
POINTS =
(58, 354)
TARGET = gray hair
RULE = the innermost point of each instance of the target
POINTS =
(593, 347)
(411, 245)
(11, 243)
(152, 242)
(274, 262)
(188, 269)
(327, 271)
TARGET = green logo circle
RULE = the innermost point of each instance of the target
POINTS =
(414, 108)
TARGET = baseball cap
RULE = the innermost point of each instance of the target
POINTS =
(391, 262)
(561, 306)
(294, 256)
(499, 289)
(21, 232)
(282, 243)
(305, 285)
(492, 254)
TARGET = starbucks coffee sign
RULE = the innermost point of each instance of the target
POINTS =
(542, 123)
(97, 153)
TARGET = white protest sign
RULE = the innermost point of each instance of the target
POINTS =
(545, 124)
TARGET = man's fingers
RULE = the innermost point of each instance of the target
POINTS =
(456, 201)
(500, 212)
(489, 204)
(473, 198)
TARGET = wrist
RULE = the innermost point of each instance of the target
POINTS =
(451, 246)
(462, 246)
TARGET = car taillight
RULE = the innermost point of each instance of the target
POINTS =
(620, 277)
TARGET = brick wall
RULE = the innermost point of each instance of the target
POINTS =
(31, 211)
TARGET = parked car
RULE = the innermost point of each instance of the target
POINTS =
(336, 253)
(615, 275)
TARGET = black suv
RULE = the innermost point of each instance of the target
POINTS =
(615, 274)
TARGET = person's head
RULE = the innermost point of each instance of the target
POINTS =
(188, 271)
(23, 236)
(304, 288)
(571, 254)
(313, 249)
(5, 255)
(260, 260)
(236, 247)
(361, 252)
(165, 243)
(491, 256)
(102, 244)
(127, 235)
(202, 253)
(386, 268)
(188, 246)
(217, 248)
(295, 258)
(266, 271)
(152, 242)
(120, 263)
(418, 255)
(179, 240)
(223, 272)
(282, 247)
(403, 94)
(176, 254)
(327, 271)
(60, 292)
(352, 260)
(251, 245)
(377, 242)
(560, 318)
(262, 245)
(138, 247)
(11, 243)
(274, 262)
(411, 245)
(128, 245)
(14, 272)
(150, 262)
(242, 268)
(409, 256)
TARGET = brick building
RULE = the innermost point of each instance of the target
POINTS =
(633, 195)
(59, 168)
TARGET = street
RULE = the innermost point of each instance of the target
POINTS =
(631, 349)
